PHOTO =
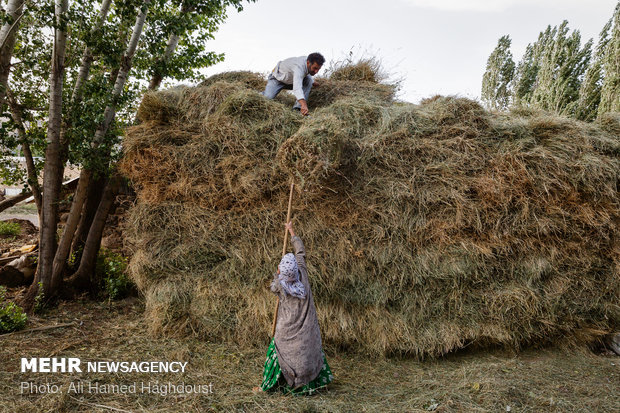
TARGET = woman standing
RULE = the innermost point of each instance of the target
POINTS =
(295, 360)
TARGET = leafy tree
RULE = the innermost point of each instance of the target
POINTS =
(10, 23)
(586, 107)
(496, 82)
(559, 77)
(610, 90)
(103, 57)
(526, 75)
(558, 74)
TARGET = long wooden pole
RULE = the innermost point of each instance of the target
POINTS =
(288, 218)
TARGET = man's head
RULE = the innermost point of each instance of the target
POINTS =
(314, 63)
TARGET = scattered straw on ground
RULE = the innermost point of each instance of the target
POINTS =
(550, 380)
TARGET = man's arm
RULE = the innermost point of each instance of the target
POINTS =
(299, 74)
(304, 107)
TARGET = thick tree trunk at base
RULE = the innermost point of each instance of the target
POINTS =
(93, 198)
(52, 178)
(64, 248)
(82, 279)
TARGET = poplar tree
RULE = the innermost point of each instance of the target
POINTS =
(587, 105)
(497, 79)
(610, 90)
(558, 74)
(11, 18)
(526, 75)
(561, 71)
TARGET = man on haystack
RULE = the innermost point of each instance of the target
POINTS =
(295, 73)
(295, 360)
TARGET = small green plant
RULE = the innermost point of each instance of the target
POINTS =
(111, 268)
(12, 317)
(9, 228)
(74, 258)
(39, 302)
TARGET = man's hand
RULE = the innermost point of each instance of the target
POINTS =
(316, 83)
(304, 107)
(289, 226)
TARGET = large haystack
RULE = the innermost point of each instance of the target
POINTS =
(428, 227)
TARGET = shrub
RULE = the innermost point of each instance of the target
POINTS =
(12, 317)
(111, 269)
(9, 228)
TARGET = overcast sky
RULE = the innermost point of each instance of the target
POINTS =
(437, 46)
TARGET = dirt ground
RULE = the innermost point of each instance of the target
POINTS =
(219, 377)
(29, 234)
(23, 212)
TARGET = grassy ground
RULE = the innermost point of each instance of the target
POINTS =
(549, 380)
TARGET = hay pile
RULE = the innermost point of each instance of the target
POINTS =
(428, 227)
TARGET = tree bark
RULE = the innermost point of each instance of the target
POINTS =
(83, 277)
(8, 34)
(33, 179)
(121, 78)
(14, 200)
(52, 173)
(87, 57)
(94, 192)
(173, 42)
(64, 247)
(79, 211)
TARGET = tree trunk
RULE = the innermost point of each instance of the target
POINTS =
(90, 190)
(33, 179)
(110, 111)
(52, 177)
(121, 78)
(87, 57)
(14, 200)
(83, 277)
(173, 42)
(64, 248)
(8, 33)
(93, 198)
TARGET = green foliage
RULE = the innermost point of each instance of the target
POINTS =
(111, 269)
(29, 82)
(12, 317)
(39, 300)
(558, 74)
(496, 82)
(586, 107)
(193, 21)
(9, 228)
(74, 258)
(562, 67)
(610, 89)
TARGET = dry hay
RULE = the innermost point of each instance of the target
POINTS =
(428, 227)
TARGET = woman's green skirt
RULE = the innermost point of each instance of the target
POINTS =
(273, 380)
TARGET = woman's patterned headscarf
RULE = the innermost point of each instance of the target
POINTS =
(289, 277)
